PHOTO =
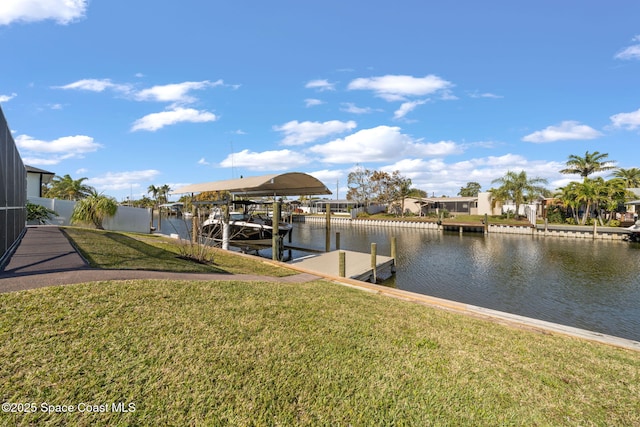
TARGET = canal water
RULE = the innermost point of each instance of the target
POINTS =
(593, 285)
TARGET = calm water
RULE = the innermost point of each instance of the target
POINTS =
(588, 284)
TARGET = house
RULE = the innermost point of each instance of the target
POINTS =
(475, 205)
(36, 179)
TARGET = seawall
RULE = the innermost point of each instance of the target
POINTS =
(568, 231)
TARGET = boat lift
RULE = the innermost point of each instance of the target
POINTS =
(276, 185)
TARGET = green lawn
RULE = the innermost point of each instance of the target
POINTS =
(233, 353)
(117, 250)
(252, 354)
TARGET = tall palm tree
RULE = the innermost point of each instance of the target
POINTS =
(590, 163)
(631, 177)
(518, 187)
(163, 193)
(153, 190)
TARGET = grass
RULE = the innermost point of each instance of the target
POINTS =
(133, 251)
(234, 353)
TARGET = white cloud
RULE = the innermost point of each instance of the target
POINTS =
(476, 94)
(38, 152)
(155, 121)
(627, 121)
(95, 85)
(368, 145)
(122, 180)
(7, 98)
(78, 144)
(328, 177)
(350, 107)
(61, 11)
(265, 161)
(298, 133)
(177, 92)
(434, 149)
(567, 130)
(203, 161)
(630, 52)
(320, 85)
(381, 144)
(407, 107)
(311, 102)
(399, 87)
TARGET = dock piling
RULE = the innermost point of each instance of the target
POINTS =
(342, 264)
(327, 237)
(337, 240)
(374, 264)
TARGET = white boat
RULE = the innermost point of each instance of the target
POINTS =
(244, 226)
(634, 232)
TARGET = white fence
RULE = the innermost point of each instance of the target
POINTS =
(137, 220)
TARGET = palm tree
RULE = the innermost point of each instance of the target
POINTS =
(518, 188)
(94, 209)
(631, 177)
(163, 193)
(590, 163)
(153, 190)
(568, 196)
(67, 188)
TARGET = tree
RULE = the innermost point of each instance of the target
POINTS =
(163, 193)
(593, 195)
(470, 190)
(67, 188)
(631, 177)
(94, 209)
(417, 193)
(518, 188)
(153, 190)
(590, 163)
(401, 188)
(359, 185)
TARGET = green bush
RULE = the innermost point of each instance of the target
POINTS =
(39, 213)
(614, 223)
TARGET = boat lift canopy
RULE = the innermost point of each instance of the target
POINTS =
(285, 184)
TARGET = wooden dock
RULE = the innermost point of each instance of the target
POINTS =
(357, 265)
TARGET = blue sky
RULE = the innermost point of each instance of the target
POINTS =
(134, 93)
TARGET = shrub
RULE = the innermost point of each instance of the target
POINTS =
(39, 213)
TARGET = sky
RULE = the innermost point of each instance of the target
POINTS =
(136, 93)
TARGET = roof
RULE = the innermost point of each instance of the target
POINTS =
(36, 170)
(286, 184)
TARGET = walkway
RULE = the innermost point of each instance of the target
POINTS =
(46, 258)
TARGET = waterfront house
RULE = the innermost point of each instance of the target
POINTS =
(474, 205)
(36, 180)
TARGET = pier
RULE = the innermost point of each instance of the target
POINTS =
(354, 265)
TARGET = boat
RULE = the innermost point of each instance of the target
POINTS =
(634, 232)
(243, 225)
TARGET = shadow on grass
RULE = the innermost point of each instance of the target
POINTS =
(110, 250)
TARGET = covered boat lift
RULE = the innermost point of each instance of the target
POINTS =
(285, 184)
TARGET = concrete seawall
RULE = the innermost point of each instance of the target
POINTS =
(575, 232)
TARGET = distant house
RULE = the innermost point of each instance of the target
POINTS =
(476, 205)
(36, 179)
(633, 206)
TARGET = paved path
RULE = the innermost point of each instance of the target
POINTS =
(46, 258)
